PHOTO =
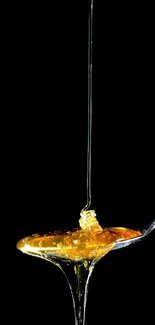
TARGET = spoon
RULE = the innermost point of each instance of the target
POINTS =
(127, 242)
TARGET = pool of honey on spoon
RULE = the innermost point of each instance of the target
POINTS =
(89, 242)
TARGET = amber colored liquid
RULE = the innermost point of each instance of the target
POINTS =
(77, 245)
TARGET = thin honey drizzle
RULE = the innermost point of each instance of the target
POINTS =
(77, 252)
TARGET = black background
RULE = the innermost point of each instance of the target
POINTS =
(47, 77)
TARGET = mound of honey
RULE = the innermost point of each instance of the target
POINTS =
(90, 242)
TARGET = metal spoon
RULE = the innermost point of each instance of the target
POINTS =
(127, 242)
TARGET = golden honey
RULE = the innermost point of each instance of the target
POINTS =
(91, 241)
